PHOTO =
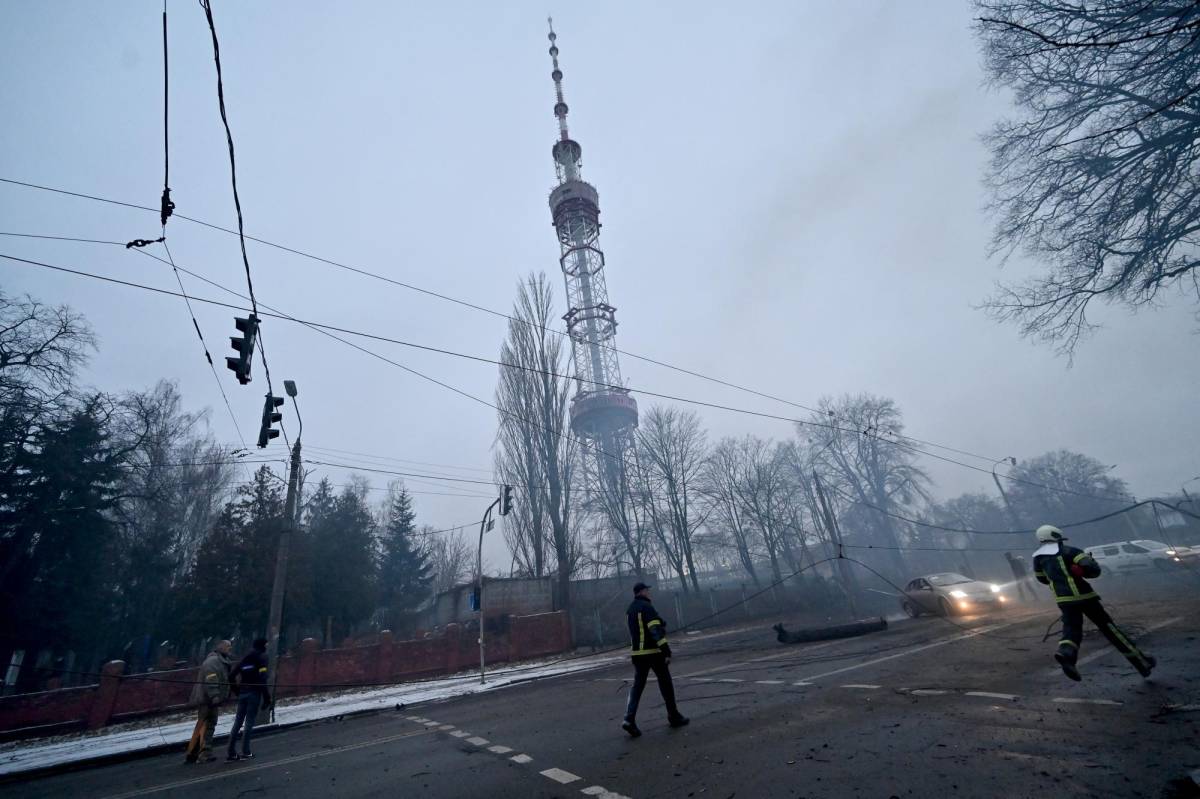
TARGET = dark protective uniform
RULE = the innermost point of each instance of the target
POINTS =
(251, 676)
(648, 638)
(1067, 570)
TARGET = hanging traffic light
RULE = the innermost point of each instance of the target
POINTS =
(270, 417)
(506, 501)
(244, 346)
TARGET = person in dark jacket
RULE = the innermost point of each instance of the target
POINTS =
(250, 677)
(209, 691)
(1067, 571)
(1020, 575)
(651, 652)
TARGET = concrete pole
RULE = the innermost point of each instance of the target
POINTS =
(479, 570)
(1012, 513)
(279, 587)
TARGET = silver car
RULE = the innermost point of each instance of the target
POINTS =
(948, 593)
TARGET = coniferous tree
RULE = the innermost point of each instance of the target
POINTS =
(404, 571)
(342, 540)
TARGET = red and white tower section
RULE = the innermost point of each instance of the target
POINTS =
(602, 412)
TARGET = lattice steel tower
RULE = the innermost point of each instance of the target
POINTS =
(602, 412)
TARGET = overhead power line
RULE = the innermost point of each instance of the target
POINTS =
(499, 314)
(326, 330)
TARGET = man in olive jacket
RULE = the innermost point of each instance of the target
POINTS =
(648, 637)
(210, 690)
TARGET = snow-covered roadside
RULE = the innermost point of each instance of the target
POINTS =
(19, 757)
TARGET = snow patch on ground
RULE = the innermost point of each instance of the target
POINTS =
(19, 757)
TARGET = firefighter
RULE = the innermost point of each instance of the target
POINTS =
(1067, 570)
(648, 636)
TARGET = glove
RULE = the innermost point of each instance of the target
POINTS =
(1076, 570)
(666, 650)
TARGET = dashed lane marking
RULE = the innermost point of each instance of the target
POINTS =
(768, 682)
(477, 741)
(445, 727)
(521, 758)
(500, 750)
(928, 692)
(430, 723)
(560, 776)
(1074, 700)
(863, 686)
(460, 733)
(802, 683)
(730, 679)
(992, 695)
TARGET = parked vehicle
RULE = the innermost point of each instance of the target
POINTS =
(948, 593)
(1140, 555)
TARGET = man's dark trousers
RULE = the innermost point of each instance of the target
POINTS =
(642, 665)
(1072, 631)
(247, 710)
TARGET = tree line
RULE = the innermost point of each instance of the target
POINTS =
(124, 532)
(750, 508)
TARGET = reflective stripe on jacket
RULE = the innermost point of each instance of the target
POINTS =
(1054, 569)
(647, 631)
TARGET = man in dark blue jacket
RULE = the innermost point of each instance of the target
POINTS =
(250, 676)
(648, 637)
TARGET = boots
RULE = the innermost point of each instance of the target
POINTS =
(1066, 659)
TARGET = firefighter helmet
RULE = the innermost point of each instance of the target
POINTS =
(1048, 534)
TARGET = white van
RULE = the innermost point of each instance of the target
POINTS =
(1132, 556)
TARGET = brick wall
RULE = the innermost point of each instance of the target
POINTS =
(117, 698)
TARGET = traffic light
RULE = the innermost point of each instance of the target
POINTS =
(244, 345)
(506, 501)
(270, 416)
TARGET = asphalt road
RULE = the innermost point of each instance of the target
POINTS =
(973, 708)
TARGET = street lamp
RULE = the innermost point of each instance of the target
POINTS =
(1011, 461)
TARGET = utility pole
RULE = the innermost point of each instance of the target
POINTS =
(505, 502)
(848, 584)
(278, 588)
(1012, 513)
(483, 523)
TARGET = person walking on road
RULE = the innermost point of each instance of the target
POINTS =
(1067, 571)
(210, 690)
(651, 652)
(1020, 575)
(250, 677)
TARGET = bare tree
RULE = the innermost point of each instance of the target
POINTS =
(537, 454)
(765, 490)
(722, 472)
(671, 448)
(867, 463)
(1097, 175)
(449, 555)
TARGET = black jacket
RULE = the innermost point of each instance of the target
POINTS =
(251, 674)
(647, 630)
(1054, 569)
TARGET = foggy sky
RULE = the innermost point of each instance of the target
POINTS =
(791, 197)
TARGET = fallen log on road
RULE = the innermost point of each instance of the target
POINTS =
(850, 630)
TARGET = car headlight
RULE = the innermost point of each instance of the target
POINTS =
(1172, 552)
(958, 594)
(1177, 560)
(995, 588)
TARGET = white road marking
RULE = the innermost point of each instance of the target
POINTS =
(602, 792)
(992, 695)
(1106, 649)
(862, 686)
(789, 653)
(971, 634)
(445, 727)
(560, 776)
(430, 723)
(928, 692)
(802, 683)
(1073, 700)
(1183, 708)
(521, 758)
(460, 733)
(730, 679)
(699, 679)
(769, 682)
(500, 750)
(477, 741)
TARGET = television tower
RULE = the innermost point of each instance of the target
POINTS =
(602, 412)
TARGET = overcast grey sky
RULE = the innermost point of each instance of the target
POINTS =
(791, 197)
